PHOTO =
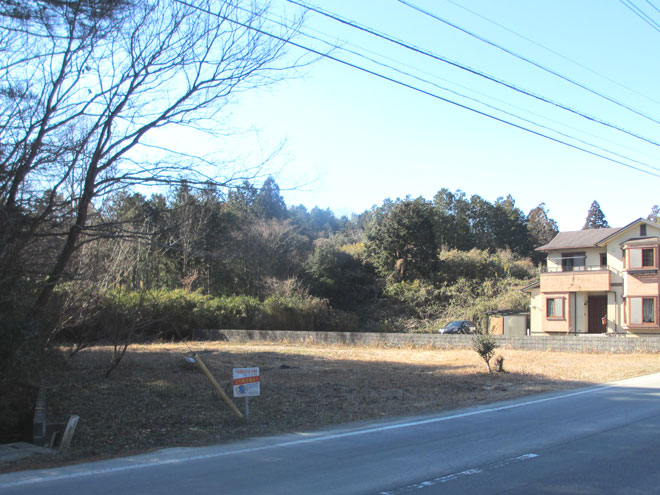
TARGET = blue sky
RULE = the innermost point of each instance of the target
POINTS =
(351, 140)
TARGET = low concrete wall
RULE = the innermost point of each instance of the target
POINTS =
(569, 343)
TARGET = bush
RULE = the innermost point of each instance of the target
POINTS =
(294, 313)
(418, 298)
(485, 346)
(481, 265)
(174, 314)
(340, 277)
(226, 312)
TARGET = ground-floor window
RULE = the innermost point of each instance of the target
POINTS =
(642, 310)
(555, 307)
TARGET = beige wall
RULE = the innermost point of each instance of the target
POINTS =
(581, 313)
(536, 311)
(615, 310)
(615, 262)
(641, 285)
(575, 281)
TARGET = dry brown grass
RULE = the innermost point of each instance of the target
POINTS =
(155, 399)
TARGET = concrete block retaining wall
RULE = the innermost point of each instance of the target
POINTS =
(567, 343)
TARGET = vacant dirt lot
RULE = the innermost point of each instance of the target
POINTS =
(156, 399)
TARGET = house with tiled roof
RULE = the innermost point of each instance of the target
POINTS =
(599, 281)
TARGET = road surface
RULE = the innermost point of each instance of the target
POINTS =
(602, 439)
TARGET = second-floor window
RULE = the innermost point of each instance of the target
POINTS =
(641, 258)
(572, 262)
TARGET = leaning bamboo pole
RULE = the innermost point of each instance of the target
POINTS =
(217, 386)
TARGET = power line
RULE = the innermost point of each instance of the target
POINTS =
(654, 7)
(335, 46)
(411, 87)
(470, 98)
(471, 70)
(568, 59)
(641, 14)
(527, 60)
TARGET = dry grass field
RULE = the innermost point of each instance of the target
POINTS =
(156, 399)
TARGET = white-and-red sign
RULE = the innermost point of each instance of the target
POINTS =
(247, 382)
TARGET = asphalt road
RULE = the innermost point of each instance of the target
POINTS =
(602, 439)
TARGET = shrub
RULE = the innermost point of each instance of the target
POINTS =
(418, 298)
(294, 312)
(485, 346)
(499, 364)
(340, 277)
(226, 312)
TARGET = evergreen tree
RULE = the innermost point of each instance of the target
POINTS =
(402, 243)
(268, 203)
(595, 218)
(541, 227)
(452, 220)
(510, 227)
(242, 198)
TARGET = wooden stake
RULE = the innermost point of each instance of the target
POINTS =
(217, 387)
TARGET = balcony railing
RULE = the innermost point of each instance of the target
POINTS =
(565, 269)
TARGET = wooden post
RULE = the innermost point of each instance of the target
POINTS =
(217, 387)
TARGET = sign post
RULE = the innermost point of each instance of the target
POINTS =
(247, 383)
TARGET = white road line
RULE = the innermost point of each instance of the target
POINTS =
(161, 462)
(455, 476)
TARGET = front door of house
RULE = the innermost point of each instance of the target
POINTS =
(597, 314)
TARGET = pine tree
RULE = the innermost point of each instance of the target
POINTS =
(403, 244)
(541, 227)
(595, 218)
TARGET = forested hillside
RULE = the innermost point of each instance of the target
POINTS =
(196, 257)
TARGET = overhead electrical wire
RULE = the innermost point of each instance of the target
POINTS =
(641, 14)
(342, 46)
(654, 7)
(414, 88)
(470, 98)
(550, 50)
(527, 60)
(458, 65)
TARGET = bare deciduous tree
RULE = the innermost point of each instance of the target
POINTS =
(85, 84)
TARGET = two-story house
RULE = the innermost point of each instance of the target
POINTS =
(599, 281)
